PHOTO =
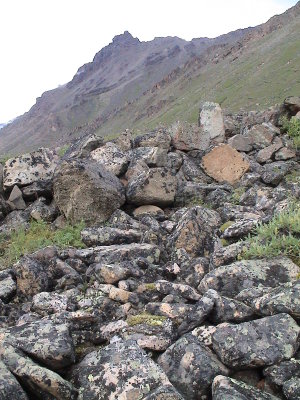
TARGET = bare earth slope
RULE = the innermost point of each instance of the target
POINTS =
(133, 84)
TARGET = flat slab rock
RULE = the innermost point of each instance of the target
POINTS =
(230, 280)
(225, 164)
(121, 370)
(106, 236)
(257, 343)
(228, 388)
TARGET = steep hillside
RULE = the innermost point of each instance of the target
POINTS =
(137, 85)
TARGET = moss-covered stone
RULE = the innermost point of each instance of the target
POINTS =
(148, 319)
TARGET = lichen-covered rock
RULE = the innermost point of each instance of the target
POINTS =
(262, 135)
(241, 142)
(283, 371)
(8, 285)
(194, 231)
(40, 211)
(106, 236)
(240, 228)
(9, 386)
(51, 344)
(31, 276)
(156, 186)
(291, 389)
(257, 343)
(191, 367)
(187, 137)
(231, 279)
(45, 303)
(228, 388)
(179, 289)
(225, 164)
(211, 122)
(84, 190)
(276, 171)
(176, 311)
(285, 154)
(152, 156)
(285, 298)
(154, 211)
(28, 168)
(121, 370)
(266, 153)
(35, 377)
(38, 189)
(118, 253)
(111, 157)
(158, 138)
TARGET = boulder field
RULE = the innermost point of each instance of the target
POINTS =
(160, 302)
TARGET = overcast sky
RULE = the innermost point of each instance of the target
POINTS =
(44, 42)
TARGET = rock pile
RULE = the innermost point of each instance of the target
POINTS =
(159, 304)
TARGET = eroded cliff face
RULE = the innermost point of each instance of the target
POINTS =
(163, 288)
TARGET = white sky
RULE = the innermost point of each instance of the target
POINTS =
(44, 42)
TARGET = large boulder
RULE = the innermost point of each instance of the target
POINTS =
(187, 137)
(230, 280)
(28, 168)
(225, 164)
(156, 186)
(159, 138)
(191, 367)
(121, 370)
(292, 105)
(211, 122)
(9, 386)
(86, 191)
(112, 158)
(257, 343)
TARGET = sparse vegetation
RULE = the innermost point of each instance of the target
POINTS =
(38, 235)
(5, 158)
(62, 151)
(226, 225)
(281, 236)
(236, 195)
(292, 128)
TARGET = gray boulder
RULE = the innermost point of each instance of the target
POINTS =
(283, 371)
(191, 367)
(120, 370)
(9, 386)
(211, 122)
(156, 186)
(28, 168)
(8, 285)
(231, 279)
(106, 236)
(111, 158)
(291, 389)
(257, 343)
(85, 191)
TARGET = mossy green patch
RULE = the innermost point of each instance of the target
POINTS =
(145, 318)
(226, 225)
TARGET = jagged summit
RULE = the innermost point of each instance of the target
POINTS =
(125, 39)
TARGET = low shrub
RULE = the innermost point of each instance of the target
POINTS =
(292, 128)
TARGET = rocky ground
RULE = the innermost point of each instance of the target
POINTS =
(161, 303)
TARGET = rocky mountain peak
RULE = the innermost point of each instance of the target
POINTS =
(125, 39)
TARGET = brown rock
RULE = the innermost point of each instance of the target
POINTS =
(224, 163)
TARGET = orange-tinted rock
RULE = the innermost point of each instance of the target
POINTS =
(224, 163)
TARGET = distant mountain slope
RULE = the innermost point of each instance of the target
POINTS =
(133, 84)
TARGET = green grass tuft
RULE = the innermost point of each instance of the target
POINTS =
(38, 235)
(148, 319)
(292, 128)
(62, 151)
(281, 236)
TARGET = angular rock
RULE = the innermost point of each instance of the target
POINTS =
(261, 135)
(8, 286)
(156, 186)
(106, 236)
(45, 303)
(160, 138)
(241, 143)
(40, 211)
(148, 210)
(191, 367)
(28, 168)
(230, 280)
(152, 156)
(194, 231)
(179, 289)
(266, 153)
(282, 372)
(228, 388)
(9, 386)
(51, 344)
(225, 164)
(85, 191)
(36, 377)
(284, 299)
(291, 389)
(111, 274)
(275, 172)
(292, 104)
(16, 199)
(38, 189)
(240, 228)
(211, 122)
(111, 158)
(177, 311)
(120, 370)
(285, 154)
(188, 137)
(124, 141)
(31, 277)
(257, 343)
